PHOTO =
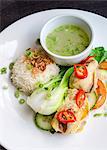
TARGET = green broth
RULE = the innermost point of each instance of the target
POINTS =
(67, 40)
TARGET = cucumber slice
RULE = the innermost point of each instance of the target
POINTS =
(43, 122)
(92, 99)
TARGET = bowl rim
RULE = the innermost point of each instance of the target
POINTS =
(68, 57)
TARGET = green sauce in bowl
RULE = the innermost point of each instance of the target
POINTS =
(67, 40)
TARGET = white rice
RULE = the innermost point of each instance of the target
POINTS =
(22, 77)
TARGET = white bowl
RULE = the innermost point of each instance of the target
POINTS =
(61, 20)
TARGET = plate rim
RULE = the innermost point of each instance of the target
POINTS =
(28, 16)
(47, 11)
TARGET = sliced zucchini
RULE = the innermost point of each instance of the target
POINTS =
(43, 122)
(92, 99)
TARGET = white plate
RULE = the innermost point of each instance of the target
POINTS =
(17, 129)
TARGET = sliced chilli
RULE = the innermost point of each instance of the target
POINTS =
(80, 71)
(80, 97)
(66, 116)
(85, 60)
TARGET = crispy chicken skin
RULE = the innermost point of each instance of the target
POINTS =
(80, 114)
(88, 83)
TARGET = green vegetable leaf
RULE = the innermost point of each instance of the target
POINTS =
(65, 79)
(55, 81)
(100, 54)
(51, 95)
(104, 57)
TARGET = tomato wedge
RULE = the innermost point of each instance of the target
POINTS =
(80, 71)
(80, 97)
(66, 116)
(85, 60)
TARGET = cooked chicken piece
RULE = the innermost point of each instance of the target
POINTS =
(88, 83)
(80, 114)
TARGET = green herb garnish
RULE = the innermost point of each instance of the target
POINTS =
(99, 53)
(104, 57)
(28, 53)
(3, 70)
(97, 115)
(11, 65)
(21, 101)
(17, 93)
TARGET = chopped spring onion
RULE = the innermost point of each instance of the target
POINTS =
(21, 101)
(11, 65)
(38, 84)
(17, 93)
(3, 70)
(105, 114)
(29, 66)
(98, 115)
(28, 53)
